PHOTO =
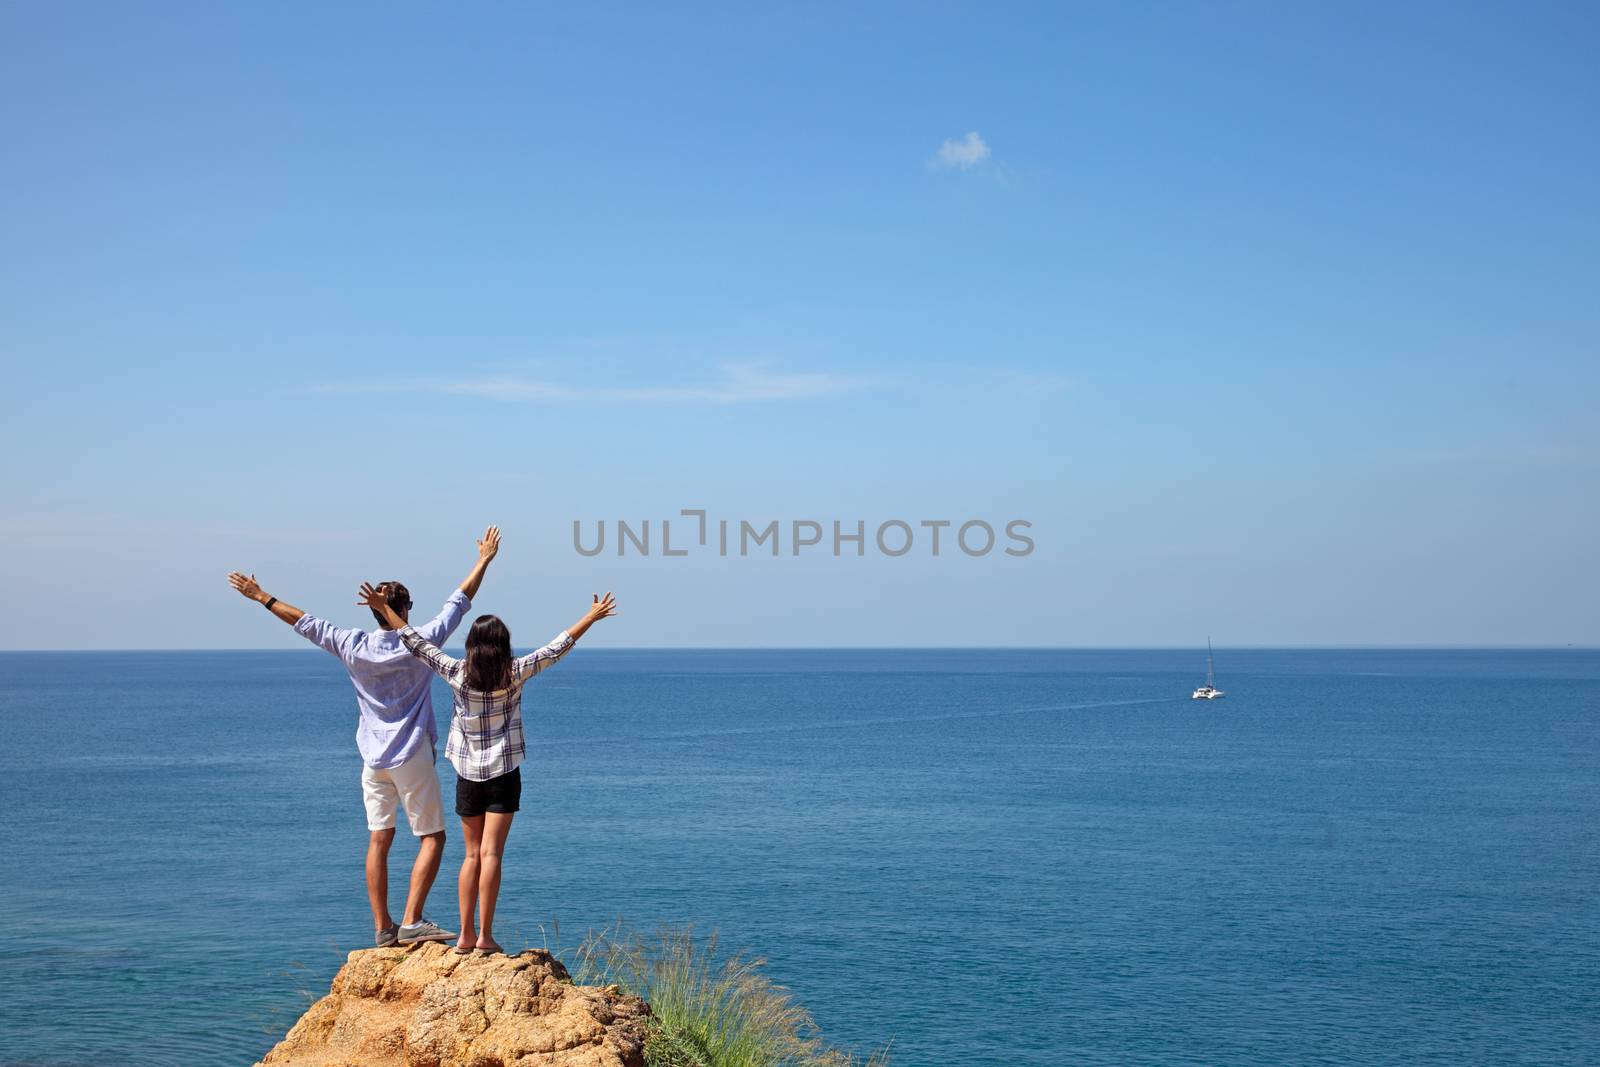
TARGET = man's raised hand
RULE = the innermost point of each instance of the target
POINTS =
(489, 544)
(246, 585)
(251, 590)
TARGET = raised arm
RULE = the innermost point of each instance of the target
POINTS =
(319, 632)
(602, 608)
(487, 547)
(534, 662)
(447, 667)
(250, 590)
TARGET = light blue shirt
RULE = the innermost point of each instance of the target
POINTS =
(392, 686)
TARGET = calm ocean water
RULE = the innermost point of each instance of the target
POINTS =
(991, 857)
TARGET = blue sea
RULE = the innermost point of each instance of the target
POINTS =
(983, 857)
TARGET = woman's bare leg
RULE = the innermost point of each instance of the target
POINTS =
(467, 884)
(496, 826)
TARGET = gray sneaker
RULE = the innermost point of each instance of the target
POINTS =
(385, 938)
(423, 930)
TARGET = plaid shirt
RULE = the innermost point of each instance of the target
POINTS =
(486, 729)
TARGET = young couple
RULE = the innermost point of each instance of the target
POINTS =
(391, 669)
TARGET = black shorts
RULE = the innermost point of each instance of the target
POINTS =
(502, 795)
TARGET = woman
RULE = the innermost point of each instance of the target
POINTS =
(486, 744)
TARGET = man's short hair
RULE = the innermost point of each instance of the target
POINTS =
(399, 599)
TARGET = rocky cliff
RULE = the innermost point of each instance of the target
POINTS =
(428, 1007)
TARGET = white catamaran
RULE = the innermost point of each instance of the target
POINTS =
(1209, 691)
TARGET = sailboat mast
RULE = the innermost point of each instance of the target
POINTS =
(1211, 678)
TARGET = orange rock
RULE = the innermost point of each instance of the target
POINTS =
(425, 1006)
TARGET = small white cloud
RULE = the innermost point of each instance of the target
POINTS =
(741, 383)
(963, 154)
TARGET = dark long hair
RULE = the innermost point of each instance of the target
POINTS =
(488, 654)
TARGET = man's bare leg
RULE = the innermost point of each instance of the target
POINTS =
(378, 842)
(430, 850)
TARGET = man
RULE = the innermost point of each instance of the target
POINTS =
(396, 735)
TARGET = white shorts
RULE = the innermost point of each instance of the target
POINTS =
(415, 784)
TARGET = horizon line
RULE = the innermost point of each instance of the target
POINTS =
(1399, 647)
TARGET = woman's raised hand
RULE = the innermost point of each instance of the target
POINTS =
(372, 597)
(603, 608)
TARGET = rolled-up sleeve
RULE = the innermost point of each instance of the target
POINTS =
(439, 628)
(534, 662)
(325, 635)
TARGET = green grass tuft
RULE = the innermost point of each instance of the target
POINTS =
(708, 1011)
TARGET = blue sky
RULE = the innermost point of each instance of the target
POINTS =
(1277, 322)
